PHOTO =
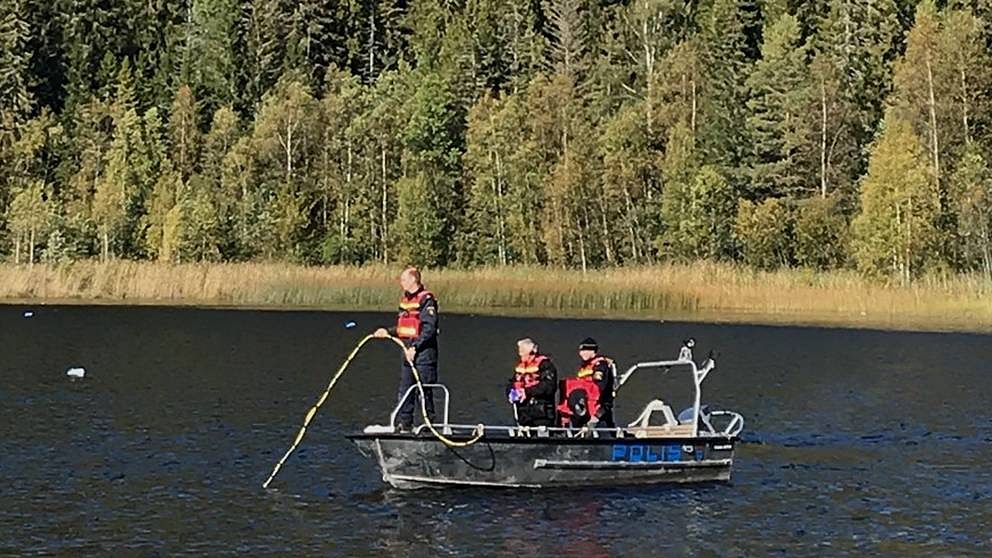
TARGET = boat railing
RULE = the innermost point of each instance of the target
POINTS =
(684, 360)
(734, 425)
(414, 388)
(731, 431)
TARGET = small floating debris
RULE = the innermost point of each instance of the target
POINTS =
(28, 314)
(75, 372)
(349, 325)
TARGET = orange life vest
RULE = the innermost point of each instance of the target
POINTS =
(408, 319)
(589, 368)
(527, 373)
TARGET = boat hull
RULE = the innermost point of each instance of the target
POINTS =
(415, 461)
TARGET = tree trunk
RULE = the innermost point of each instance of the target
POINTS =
(935, 148)
(372, 45)
(17, 249)
(823, 139)
(31, 247)
(632, 225)
(964, 107)
(500, 220)
(692, 121)
(385, 237)
(605, 233)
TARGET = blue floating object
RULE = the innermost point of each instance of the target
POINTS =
(28, 314)
(350, 325)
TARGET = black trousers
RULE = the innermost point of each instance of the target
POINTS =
(428, 375)
(535, 414)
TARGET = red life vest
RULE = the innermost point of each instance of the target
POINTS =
(571, 391)
(527, 373)
(408, 319)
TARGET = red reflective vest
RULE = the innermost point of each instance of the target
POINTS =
(408, 319)
(527, 373)
(573, 385)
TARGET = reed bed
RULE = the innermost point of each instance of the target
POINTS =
(703, 291)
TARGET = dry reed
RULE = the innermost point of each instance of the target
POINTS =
(712, 292)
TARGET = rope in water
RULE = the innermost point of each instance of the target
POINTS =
(477, 435)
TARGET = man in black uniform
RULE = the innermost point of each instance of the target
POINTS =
(601, 370)
(416, 325)
(533, 385)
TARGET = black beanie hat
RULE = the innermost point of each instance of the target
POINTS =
(588, 344)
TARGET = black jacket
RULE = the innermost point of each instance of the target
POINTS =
(426, 342)
(541, 398)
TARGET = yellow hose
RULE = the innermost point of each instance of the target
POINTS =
(480, 429)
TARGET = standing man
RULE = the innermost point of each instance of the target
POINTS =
(533, 385)
(600, 370)
(416, 326)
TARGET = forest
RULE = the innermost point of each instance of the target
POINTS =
(829, 134)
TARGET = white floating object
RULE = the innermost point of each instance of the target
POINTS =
(350, 325)
(28, 314)
(76, 372)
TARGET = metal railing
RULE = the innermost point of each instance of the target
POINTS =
(733, 427)
(412, 389)
(565, 432)
(698, 375)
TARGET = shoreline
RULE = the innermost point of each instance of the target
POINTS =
(703, 293)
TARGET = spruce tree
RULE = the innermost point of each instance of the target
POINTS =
(778, 119)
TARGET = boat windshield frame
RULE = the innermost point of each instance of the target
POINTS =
(698, 375)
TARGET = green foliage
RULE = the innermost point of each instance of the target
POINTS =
(971, 200)
(699, 217)
(897, 227)
(778, 121)
(821, 233)
(29, 218)
(764, 231)
(477, 132)
(418, 222)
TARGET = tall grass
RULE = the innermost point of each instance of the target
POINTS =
(714, 292)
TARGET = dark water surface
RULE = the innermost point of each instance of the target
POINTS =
(856, 442)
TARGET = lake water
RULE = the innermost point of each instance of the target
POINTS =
(856, 442)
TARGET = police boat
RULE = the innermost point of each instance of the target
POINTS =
(697, 445)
